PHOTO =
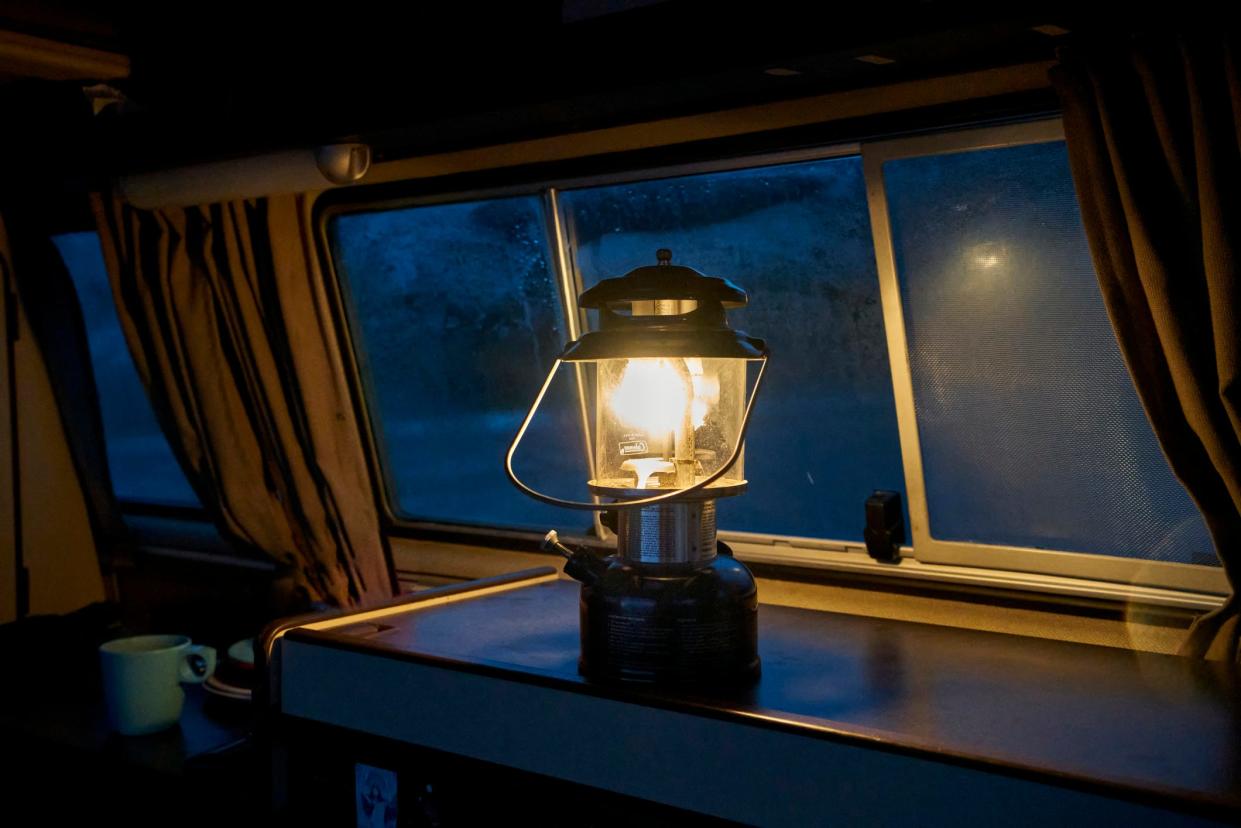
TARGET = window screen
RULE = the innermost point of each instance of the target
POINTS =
(1032, 434)
(797, 238)
(457, 320)
(142, 464)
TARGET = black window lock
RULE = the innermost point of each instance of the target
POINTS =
(885, 526)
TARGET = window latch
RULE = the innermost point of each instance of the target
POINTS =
(885, 527)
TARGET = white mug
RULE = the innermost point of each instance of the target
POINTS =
(142, 679)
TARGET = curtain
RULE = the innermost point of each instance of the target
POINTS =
(225, 311)
(1153, 129)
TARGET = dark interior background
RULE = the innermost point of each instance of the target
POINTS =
(231, 77)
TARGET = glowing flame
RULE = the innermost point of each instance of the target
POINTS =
(651, 396)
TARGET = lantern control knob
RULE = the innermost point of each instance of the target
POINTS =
(663, 255)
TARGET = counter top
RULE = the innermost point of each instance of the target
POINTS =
(1135, 726)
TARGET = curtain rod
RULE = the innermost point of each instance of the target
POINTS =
(276, 173)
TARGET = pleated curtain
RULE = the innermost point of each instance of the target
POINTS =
(1153, 129)
(226, 312)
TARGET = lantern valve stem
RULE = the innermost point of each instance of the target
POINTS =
(580, 564)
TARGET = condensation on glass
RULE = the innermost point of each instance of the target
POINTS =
(456, 316)
(1031, 432)
(797, 237)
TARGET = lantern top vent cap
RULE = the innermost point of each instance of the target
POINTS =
(663, 281)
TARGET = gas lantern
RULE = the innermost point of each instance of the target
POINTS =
(672, 605)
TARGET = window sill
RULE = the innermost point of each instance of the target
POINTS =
(1086, 612)
(854, 584)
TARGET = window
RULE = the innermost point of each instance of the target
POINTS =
(935, 325)
(797, 238)
(1032, 433)
(459, 320)
(1020, 423)
(141, 462)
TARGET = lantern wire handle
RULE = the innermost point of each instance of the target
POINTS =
(590, 505)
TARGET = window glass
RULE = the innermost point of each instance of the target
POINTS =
(797, 238)
(459, 320)
(1032, 434)
(141, 462)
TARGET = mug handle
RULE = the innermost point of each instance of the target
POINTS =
(197, 664)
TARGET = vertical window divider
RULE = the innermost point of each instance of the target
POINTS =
(898, 352)
(568, 282)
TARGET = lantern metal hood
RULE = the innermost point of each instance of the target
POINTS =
(671, 413)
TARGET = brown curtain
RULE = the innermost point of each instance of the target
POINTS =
(224, 308)
(1153, 128)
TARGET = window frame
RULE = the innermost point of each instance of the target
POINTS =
(512, 183)
(927, 548)
(925, 559)
(351, 201)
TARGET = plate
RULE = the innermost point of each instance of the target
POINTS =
(224, 690)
